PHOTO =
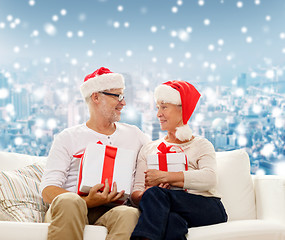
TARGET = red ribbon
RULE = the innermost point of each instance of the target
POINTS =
(162, 159)
(80, 172)
(108, 165)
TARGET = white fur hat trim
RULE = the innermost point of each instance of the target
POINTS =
(183, 133)
(102, 82)
(167, 94)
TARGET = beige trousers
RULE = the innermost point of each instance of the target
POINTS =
(68, 215)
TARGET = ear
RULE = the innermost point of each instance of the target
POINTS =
(95, 97)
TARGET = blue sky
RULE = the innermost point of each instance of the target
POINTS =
(205, 40)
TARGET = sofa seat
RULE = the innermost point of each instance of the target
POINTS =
(233, 230)
(239, 230)
(38, 231)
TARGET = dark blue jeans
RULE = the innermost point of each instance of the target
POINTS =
(167, 214)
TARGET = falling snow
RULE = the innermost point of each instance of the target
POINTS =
(234, 57)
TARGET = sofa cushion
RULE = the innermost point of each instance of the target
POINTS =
(20, 199)
(235, 184)
(239, 230)
(12, 161)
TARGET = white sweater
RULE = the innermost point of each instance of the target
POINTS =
(62, 167)
(200, 178)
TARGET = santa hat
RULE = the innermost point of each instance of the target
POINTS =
(100, 80)
(179, 93)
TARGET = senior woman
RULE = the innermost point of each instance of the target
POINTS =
(167, 213)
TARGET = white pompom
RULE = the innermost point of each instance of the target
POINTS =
(183, 133)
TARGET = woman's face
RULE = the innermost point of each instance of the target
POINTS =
(169, 115)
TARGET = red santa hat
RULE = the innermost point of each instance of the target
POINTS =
(100, 80)
(179, 93)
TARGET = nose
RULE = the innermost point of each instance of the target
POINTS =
(123, 102)
(158, 113)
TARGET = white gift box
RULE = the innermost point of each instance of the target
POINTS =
(176, 162)
(170, 162)
(100, 162)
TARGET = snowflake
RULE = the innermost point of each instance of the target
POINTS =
(248, 39)
(50, 29)
(244, 29)
(201, 2)
(89, 53)
(239, 4)
(32, 3)
(69, 34)
(153, 29)
(16, 49)
(169, 60)
(54, 18)
(129, 53)
(207, 22)
(187, 55)
(63, 12)
(174, 9)
(120, 8)
(80, 33)
(4, 93)
(116, 24)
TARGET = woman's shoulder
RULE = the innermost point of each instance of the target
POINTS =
(201, 140)
(201, 143)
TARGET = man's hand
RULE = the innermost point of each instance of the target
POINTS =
(97, 198)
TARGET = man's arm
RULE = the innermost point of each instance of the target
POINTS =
(50, 192)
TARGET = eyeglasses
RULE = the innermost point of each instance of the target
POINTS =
(119, 96)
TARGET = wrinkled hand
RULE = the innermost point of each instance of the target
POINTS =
(154, 177)
(164, 185)
(97, 198)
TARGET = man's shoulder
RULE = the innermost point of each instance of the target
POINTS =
(72, 130)
(128, 127)
(132, 131)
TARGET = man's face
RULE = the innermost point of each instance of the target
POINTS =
(110, 106)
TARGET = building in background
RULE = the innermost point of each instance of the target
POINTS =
(240, 116)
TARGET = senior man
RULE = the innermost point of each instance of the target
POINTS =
(68, 213)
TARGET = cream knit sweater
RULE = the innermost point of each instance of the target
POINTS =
(200, 178)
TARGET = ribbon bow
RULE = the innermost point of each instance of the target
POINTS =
(164, 149)
(162, 159)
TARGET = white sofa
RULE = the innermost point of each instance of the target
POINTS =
(255, 204)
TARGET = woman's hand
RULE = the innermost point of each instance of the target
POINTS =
(137, 195)
(155, 177)
(164, 185)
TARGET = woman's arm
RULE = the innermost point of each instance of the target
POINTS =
(155, 177)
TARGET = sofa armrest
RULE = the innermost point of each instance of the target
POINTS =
(270, 197)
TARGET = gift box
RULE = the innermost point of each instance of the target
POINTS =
(100, 162)
(170, 162)
(167, 160)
